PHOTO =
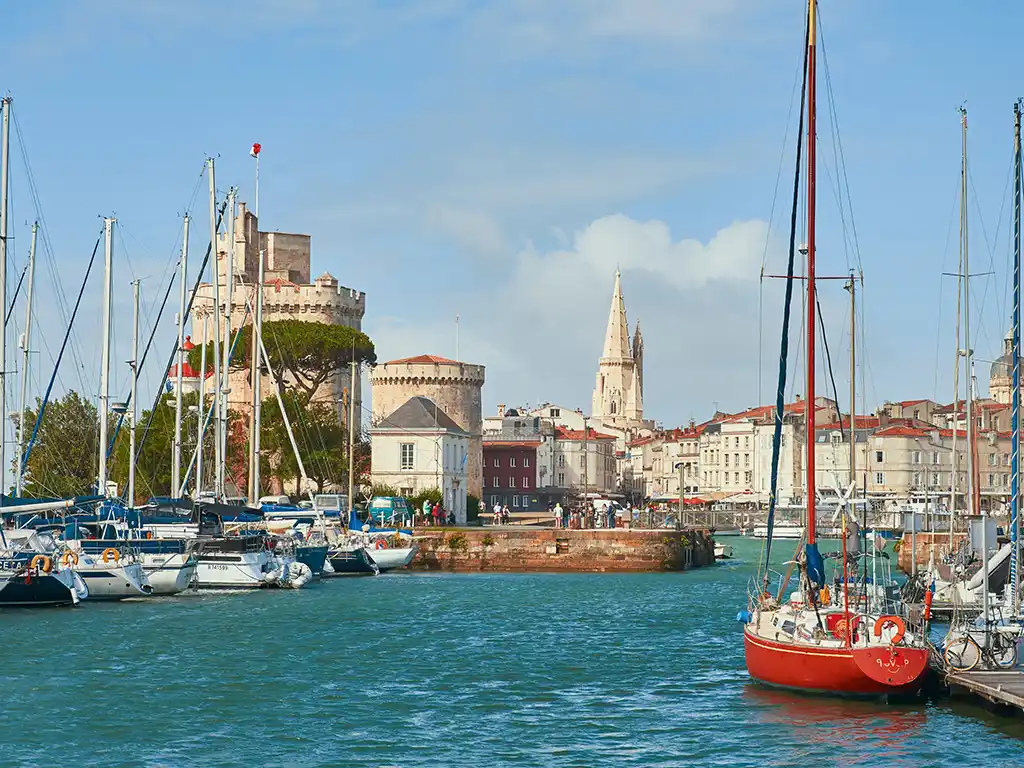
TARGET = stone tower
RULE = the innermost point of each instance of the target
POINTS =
(618, 391)
(455, 387)
(1000, 382)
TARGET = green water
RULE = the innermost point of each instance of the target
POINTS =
(445, 670)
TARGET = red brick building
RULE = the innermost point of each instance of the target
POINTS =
(510, 475)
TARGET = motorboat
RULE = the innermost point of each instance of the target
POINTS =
(723, 551)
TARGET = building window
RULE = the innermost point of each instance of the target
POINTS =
(497, 461)
(511, 482)
(935, 457)
(915, 457)
(407, 492)
(879, 456)
(583, 461)
(991, 460)
(726, 455)
(511, 461)
(526, 461)
(991, 481)
(408, 453)
(561, 479)
(736, 478)
(515, 501)
(747, 477)
(917, 478)
(526, 482)
(495, 482)
(554, 413)
(746, 442)
(879, 478)
(746, 459)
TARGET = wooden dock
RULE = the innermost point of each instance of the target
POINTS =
(1002, 688)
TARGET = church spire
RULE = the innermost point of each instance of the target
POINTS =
(616, 340)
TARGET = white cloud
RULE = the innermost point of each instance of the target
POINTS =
(473, 230)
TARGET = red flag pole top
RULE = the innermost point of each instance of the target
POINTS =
(255, 151)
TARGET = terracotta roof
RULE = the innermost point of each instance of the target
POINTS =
(420, 359)
(640, 441)
(577, 434)
(905, 403)
(899, 430)
(992, 406)
(863, 422)
(511, 443)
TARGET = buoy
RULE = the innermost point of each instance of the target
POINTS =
(901, 628)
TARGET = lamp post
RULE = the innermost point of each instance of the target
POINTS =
(586, 465)
(679, 467)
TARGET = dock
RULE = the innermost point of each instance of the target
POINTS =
(1005, 689)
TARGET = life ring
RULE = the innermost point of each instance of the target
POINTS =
(381, 544)
(42, 562)
(109, 553)
(901, 628)
(69, 558)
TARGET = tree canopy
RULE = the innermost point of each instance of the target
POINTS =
(64, 457)
(309, 353)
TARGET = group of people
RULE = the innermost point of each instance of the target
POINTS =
(501, 515)
(434, 514)
(586, 515)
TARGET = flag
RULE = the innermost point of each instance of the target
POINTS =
(255, 151)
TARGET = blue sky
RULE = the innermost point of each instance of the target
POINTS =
(499, 160)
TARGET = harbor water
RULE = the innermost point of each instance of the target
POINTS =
(446, 670)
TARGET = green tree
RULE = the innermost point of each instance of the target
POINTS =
(303, 354)
(64, 456)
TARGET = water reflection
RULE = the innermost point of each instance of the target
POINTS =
(863, 731)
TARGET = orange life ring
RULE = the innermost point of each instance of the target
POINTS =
(69, 557)
(381, 544)
(42, 562)
(109, 553)
(901, 628)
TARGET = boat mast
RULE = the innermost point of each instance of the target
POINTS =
(811, 294)
(229, 291)
(5, 145)
(176, 453)
(19, 477)
(254, 367)
(134, 363)
(108, 279)
(201, 411)
(1015, 351)
(851, 287)
(218, 464)
(352, 431)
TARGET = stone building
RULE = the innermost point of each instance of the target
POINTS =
(453, 386)
(289, 293)
(418, 447)
(618, 399)
(1000, 382)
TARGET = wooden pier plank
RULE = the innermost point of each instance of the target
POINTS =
(1006, 688)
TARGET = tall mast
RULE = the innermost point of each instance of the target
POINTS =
(108, 280)
(852, 288)
(229, 291)
(1015, 351)
(351, 432)
(968, 352)
(201, 411)
(5, 145)
(218, 464)
(811, 294)
(257, 395)
(182, 279)
(26, 339)
(134, 363)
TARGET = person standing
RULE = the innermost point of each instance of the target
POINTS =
(558, 515)
(426, 511)
(496, 518)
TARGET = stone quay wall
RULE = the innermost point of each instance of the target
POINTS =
(548, 549)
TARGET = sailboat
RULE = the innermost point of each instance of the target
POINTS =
(813, 640)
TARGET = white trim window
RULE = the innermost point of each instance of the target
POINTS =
(407, 454)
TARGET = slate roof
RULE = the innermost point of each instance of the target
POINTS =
(421, 413)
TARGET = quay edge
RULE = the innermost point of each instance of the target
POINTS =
(549, 549)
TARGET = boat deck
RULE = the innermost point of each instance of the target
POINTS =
(1002, 688)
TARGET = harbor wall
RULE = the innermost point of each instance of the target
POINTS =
(548, 549)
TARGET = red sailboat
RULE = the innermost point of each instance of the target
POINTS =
(845, 636)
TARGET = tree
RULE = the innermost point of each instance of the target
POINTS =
(64, 457)
(322, 442)
(310, 353)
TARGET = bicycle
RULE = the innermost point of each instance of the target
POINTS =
(999, 651)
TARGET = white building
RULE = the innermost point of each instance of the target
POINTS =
(618, 390)
(417, 448)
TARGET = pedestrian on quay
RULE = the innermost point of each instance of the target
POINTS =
(506, 515)
(558, 515)
(611, 515)
(437, 514)
(426, 511)
(496, 514)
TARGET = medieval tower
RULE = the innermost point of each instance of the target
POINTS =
(455, 387)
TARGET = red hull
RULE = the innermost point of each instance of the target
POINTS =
(849, 672)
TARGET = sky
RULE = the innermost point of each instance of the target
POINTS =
(497, 161)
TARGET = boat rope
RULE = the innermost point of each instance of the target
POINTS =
(831, 375)
(780, 393)
(174, 351)
(60, 356)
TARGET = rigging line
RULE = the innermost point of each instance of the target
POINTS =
(982, 330)
(174, 349)
(938, 327)
(49, 387)
(780, 394)
(778, 173)
(835, 390)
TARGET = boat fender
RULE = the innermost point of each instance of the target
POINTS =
(929, 594)
(825, 596)
(42, 563)
(381, 544)
(69, 558)
(883, 621)
(743, 616)
(111, 554)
